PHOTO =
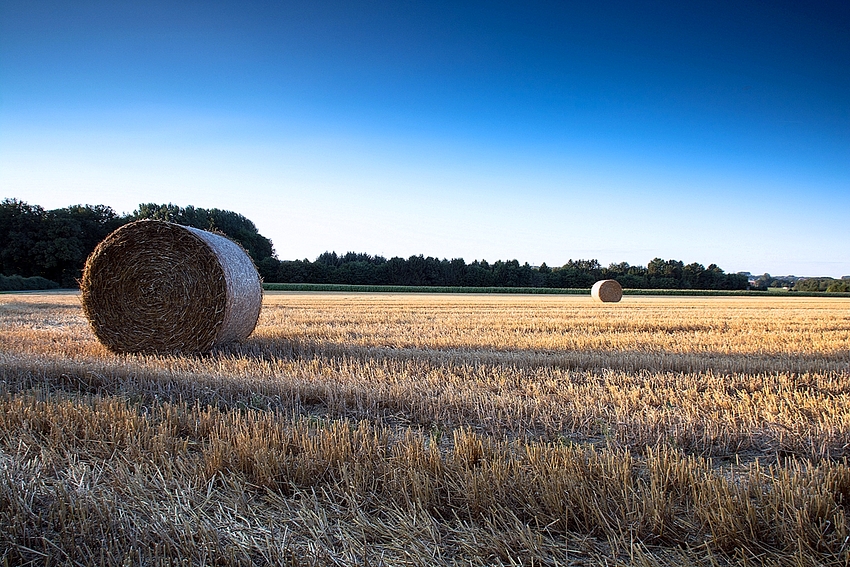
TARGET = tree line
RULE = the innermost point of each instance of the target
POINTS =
(354, 268)
(794, 283)
(822, 284)
(54, 244)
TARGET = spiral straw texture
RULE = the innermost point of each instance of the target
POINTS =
(607, 291)
(157, 287)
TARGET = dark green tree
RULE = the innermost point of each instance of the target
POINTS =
(21, 228)
(52, 244)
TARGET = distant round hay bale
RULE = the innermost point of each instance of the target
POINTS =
(607, 291)
(158, 287)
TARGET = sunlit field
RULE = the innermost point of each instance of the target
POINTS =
(407, 429)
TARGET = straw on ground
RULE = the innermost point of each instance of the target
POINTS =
(382, 429)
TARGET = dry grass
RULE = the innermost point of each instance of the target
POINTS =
(417, 429)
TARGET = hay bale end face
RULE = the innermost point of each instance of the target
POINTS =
(607, 291)
(158, 287)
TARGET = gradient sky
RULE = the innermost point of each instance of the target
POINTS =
(542, 131)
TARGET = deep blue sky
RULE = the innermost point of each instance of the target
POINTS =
(707, 132)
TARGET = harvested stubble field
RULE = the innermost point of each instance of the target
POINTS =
(435, 430)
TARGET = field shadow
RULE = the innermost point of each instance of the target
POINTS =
(505, 393)
(584, 360)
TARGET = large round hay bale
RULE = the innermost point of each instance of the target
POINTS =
(158, 287)
(607, 291)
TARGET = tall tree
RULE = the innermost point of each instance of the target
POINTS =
(51, 244)
(20, 229)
